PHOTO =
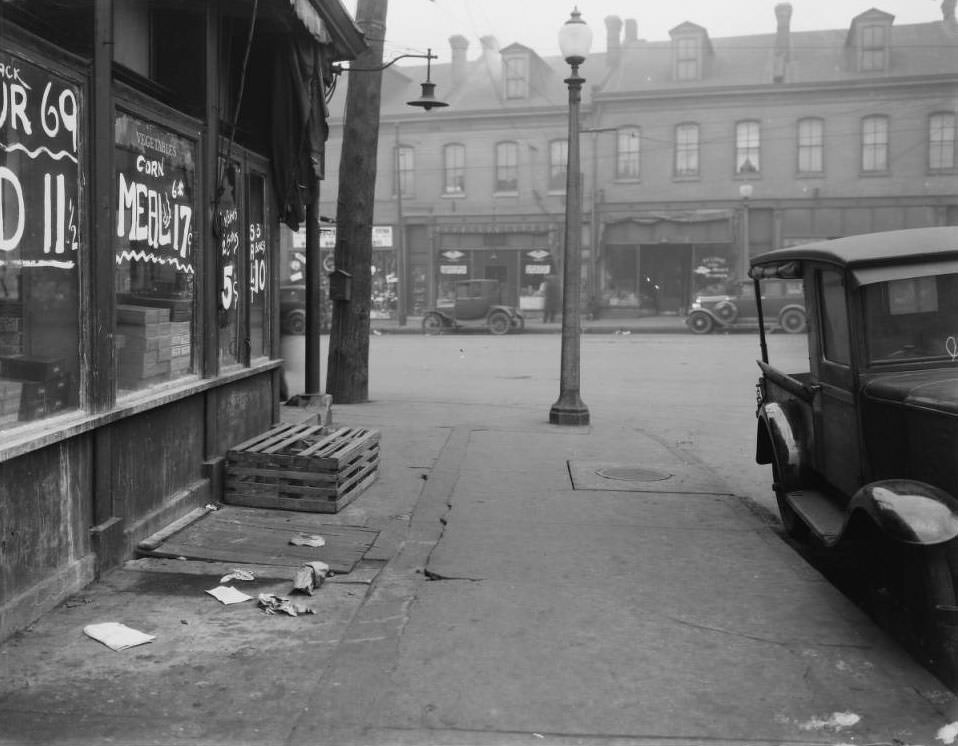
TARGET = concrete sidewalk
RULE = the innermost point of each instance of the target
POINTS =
(530, 585)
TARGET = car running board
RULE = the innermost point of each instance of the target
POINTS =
(820, 514)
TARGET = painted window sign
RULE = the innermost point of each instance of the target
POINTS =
(41, 118)
(153, 232)
(39, 121)
(155, 172)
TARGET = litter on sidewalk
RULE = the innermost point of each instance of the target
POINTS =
(117, 636)
(227, 595)
(237, 575)
(273, 604)
(310, 576)
(308, 541)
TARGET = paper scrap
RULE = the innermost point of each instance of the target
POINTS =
(308, 541)
(117, 636)
(235, 574)
(310, 576)
(273, 604)
(227, 594)
(947, 733)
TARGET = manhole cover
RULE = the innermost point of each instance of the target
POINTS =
(632, 474)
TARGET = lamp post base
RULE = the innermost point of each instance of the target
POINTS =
(569, 410)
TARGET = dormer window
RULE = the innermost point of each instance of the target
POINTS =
(687, 59)
(874, 48)
(869, 41)
(516, 71)
(690, 45)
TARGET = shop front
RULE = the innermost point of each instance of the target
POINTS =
(138, 275)
(656, 264)
(520, 259)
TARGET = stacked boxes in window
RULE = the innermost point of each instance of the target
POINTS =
(11, 329)
(10, 393)
(179, 347)
(41, 384)
(144, 353)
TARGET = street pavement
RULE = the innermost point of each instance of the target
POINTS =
(665, 324)
(531, 584)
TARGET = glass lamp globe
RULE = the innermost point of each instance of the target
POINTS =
(575, 39)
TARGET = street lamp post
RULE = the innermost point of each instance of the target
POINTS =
(745, 191)
(575, 39)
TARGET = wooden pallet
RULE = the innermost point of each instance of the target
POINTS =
(302, 467)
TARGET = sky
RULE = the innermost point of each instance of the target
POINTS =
(413, 26)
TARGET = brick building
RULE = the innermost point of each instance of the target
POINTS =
(831, 132)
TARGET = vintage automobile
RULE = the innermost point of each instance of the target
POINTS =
(782, 302)
(292, 310)
(863, 444)
(477, 304)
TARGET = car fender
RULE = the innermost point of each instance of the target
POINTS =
(708, 312)
(777, 441)
(907, 511)
(510, 311)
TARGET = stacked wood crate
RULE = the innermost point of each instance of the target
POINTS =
(302, 467)
(35, 386)
(144, 346)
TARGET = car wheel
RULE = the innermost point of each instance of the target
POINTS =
(499, 322)
(700, 323)
(432, 323)
(793, 321)
(726, 311)
(296, 322)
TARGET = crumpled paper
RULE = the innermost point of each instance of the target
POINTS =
(308, 540)
(309, 577)
(273, 604)
(235, 574)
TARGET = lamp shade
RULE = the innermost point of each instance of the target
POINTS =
(575, 39)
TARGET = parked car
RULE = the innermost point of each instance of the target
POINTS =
(782, 301)
(863, 445)
(477, 304)
(292, 309)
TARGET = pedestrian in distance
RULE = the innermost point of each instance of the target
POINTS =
(551, 295)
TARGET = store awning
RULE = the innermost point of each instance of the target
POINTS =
(329, 23)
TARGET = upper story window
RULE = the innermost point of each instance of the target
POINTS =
(874, 48)
(875, 144)
(811, 146)
(627, 153)
(687, 150)
(454, 169)
(558, 164)
(687, 58)
(516, 71)
(941, 141)
(747, 148)
(507, 167)
(405, 176)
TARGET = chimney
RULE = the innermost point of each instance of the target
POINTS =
(458, 44)
(613, 44)
(490, 54)
(631, 31)
(948, 13)
(783, 17)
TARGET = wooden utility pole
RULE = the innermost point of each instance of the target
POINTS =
(347, 377)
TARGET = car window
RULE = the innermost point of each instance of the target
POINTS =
(835, 340)
(912, 318)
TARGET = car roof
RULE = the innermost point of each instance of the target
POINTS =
(869, 249)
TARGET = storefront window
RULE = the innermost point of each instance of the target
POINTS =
(153, 243)
(40, 122)
(258, 265)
